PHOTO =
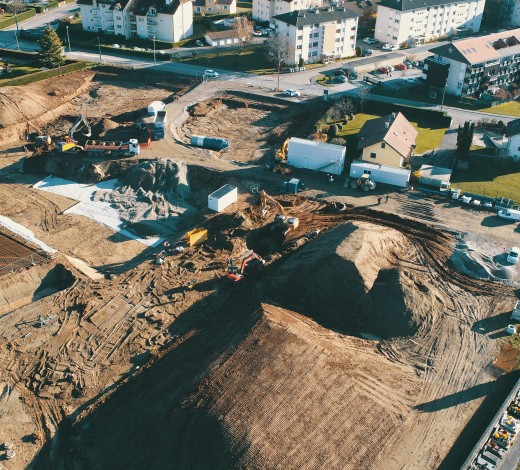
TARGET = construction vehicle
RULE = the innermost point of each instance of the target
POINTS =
(282, 167)
(81, 120)
(250, 261)
(38, 139)
(159, 125)
(281, 221)
(365, 183)
(112, 149)
(282, 153)
(68, 146)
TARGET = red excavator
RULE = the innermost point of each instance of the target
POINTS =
(250, 260)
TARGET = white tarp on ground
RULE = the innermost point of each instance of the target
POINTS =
(101, 212)
(24, 233)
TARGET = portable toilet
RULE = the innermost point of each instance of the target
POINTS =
(292, 186)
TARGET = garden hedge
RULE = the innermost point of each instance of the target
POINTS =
(21, 16)
(36, 77)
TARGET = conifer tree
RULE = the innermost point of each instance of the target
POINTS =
(51, 49)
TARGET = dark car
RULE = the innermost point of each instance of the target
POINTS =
(337, 73)
(367, 52)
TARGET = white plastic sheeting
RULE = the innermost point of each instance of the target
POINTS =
(24, 232)
(101, 212)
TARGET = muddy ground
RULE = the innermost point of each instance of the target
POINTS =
(355, 343)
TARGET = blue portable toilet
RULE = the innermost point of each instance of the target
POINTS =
(292, 186)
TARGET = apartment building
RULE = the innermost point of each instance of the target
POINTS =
(319, 34)
(264, 10)
(215, 7)
(164, 20)
(418, 21)
(475, 66)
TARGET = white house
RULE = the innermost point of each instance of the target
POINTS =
(264, 10)
(222, 38)
(164, 20)
(418, 21)
(319, 34)
(512, 144)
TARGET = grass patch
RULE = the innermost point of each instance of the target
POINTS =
(42, 75)
(511, 108)
(428, 138)
(251, 60)
(17, 71)
(489, 178)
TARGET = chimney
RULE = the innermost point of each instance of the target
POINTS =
(387, 124)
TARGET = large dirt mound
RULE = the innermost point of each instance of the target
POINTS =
(254, 388)
(150, 196)
(349, 280)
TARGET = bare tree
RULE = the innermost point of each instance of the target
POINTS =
(363, 94)
(243, 28)
(15, 7)
(343, 107)
(277, 51)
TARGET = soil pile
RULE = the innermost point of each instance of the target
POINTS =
(150, 196)
(349, 280)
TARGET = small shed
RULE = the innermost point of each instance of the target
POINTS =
(380, 173)
(222, 197)
(222, 38)
(317, 156)
(434, 176)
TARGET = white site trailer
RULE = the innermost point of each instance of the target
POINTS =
(317, 156)
(222, 197)
(155, 107)
(380, 173)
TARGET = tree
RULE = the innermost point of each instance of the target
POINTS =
(277, 51)
(363, 94)
(465, 136)
(367, 20)
(359, 51)
(494, 13)
(51, 49)
(243, 28)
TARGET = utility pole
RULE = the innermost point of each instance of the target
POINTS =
(279, 65)
(444, 93)
(17, 32)
(154, 61)
(68, 39)
(100, 56)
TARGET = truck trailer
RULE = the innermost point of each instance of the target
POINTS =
(112, 149)
(317, 156)
(380, 173)
(159, 125)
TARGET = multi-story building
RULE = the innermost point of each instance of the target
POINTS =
(215, 7)
(164, 20)
(417, 21)
(264, 10)
(473, 66)
(319, 34)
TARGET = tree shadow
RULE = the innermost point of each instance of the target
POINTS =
(492, 324)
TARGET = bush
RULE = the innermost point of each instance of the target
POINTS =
(338, 141)
(36, 77)
(340, 126)
(324, 128)
(21, 16)
(333, 131)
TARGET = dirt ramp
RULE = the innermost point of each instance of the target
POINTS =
(348, 280)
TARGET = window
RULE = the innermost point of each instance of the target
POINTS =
(353, 37)
(316, 35)
(300, 38)
(317, 25)
(383, 145)
(209, 9)
(396, 21)
(299, 47)
(225, 7)
(314, 54)
(118, 26)
(315, 44)
(372, 155)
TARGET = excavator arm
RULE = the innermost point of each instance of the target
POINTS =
(81, 120)
(265, 198)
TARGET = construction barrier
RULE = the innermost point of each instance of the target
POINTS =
(194, 237)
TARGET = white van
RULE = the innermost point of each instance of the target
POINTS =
(509, 214)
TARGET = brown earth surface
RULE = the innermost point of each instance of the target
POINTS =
(356, 347)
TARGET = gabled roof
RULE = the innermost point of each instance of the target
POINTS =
(316, 15)
(395, 130)
(513, 128)
(113, 3)
(228, 34)
(141, 7)
(481, 49)
(405, 5)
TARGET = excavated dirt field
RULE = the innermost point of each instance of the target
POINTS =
(15, 254)
(254, 128)
(212, 376)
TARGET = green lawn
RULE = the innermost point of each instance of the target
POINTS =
(511, 108)
(487, 178)
(252, 61)
(427, 139)
(18, 71)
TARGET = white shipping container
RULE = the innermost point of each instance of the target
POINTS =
(380, 173)
(222, 197)
(317, 156)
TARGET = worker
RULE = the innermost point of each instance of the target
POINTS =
(386, 201)
(331, 179)
(379, 199)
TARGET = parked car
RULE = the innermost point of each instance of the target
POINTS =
(420, 63)
(341, 78)
(292, 92)
(370, 40)
(383, 69)
(409, 65)
(512, 257)
(390, 47)
(367, 52)
(210, 73)
(415, 63)
(267, 32)
(400, 66)
(115, 46)
(509, 214)
(390, 68)
(411, 80)
(199, 43)
(353, 76)
(339, 72)
(257, 32)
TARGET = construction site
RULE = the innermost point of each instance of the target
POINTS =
(141, 328)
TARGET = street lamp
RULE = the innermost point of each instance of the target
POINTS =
(68, 39)
(100, 56)
(17, 32)
(154, 61)
(444, 93)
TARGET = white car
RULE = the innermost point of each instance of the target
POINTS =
(211, 73)
(292, 93)
(370, 40)
(509, 214)
(412, 80)
(390, 47)
(512, 257)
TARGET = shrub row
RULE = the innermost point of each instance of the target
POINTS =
(36, 77)
(21, 16)
(18, 54)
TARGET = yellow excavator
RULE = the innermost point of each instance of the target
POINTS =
(282, 153)
(281, 221)
(280, 164)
